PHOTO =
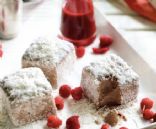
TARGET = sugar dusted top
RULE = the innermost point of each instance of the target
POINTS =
(26, 84)
(48, 52)
(113, 67)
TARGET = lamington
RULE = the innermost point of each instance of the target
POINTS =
(3, 113)
(110, 81)
(28, 96)
(55, 57)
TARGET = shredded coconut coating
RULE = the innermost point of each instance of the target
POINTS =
(48, 52)
(26, 84)
(3, 113)
(113, 67)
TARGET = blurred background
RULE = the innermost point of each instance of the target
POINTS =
(134, 19)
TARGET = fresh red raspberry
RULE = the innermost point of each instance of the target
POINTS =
(59, 102)
(73, 122)
(54, 122)
(105, 41)
(77, 93)
(1, 52)
(80, 51)
(147, 114)
(146, 103)
(154, 117)
(100, 50)
(105, 126)
(123, 128)
(65, 91)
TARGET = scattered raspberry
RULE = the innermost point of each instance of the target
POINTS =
(105, 126)
(54, 122)
(100, 50)
(73, 122)
(80, 51)
(146, 103)
(1, 52)
(154, 117)
(77, 93)
(65, 91)
(105, 41)
(59, 102)
(147, 114)
(123, 128)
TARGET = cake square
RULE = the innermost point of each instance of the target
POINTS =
(110, 81)
(3, 113)
(56, 58)
(28, 96)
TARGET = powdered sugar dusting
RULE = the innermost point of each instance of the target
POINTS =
(46, 51)
(26, 84)
(90, 117)
(112, 66)
(86, 111)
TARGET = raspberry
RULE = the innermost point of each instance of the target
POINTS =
(147, 114)
(100, 50)
(1, 52)
(54, 122)
(105, 126)
(59, 102)
(73, 122)
(80, 51)
(77, 93)
(123, 128)
(65, 91)
(146, 103)
(154, 117)
(105, 41)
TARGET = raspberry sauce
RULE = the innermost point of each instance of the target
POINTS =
(77, 23)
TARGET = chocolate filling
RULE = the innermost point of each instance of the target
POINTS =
(109, 93)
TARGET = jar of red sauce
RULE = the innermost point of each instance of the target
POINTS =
(77, 22)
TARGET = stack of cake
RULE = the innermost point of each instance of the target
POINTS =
(28, 92)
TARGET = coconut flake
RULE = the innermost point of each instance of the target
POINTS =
(112, 66)
(26, 84)
(48, 52)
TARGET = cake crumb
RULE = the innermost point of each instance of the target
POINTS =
(98, 121)
(112, 118)
(122, 116)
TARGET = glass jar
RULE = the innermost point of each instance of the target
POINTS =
(10, 18)
(77, 22)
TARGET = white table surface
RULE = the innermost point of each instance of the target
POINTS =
(40, 20)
